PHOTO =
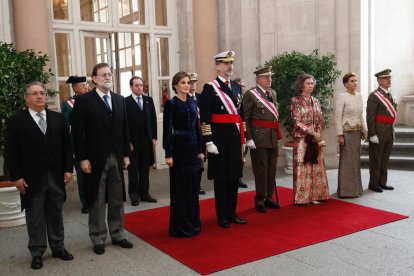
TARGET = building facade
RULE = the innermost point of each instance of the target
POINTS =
(156, 38)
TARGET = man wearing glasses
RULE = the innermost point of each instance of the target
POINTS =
(38, 153)
(101, 141)
(79, 86)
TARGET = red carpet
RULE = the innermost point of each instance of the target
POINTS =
(265, 235)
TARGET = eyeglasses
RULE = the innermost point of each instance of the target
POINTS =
(106, 75)
(41, 93)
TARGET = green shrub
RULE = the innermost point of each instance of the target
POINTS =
(16, 70)
(288, 66)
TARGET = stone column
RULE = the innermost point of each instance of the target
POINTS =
(205, 39)
(186, 35)
(5, 22)
(31, 25)
(33, 30)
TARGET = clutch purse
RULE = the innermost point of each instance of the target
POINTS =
(312, 150)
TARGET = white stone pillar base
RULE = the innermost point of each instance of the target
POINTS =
(10, 208)
(289, 159)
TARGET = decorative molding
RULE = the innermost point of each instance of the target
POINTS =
(13, 205)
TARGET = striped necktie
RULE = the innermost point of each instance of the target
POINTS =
(42, 122)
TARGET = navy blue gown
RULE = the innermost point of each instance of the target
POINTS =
(182, 141)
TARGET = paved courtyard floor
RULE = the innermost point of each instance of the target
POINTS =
(383, 250)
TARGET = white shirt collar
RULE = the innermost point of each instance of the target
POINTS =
(101, 94)
(261, 88)
(135, 96)
(386, 90)
(33, 114)
(223, 79)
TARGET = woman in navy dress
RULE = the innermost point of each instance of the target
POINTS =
(184, 156)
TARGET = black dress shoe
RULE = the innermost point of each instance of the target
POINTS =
(202, 192)
(238, 220)
(376, 189)
(135, 203)
(63, 255)
(260, 208)
(123, 243)
(386, 187)
(99, 249)
(223, 224)
(271, 204)
(37, 262)
(181, 234)
(84, 210)
(242, 185)
(148, 198)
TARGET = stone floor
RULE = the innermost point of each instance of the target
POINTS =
(383, 250)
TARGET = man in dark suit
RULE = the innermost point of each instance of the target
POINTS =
(381, 113)
(262, 129)
(142, 123)
(38, 154)
(223, 131)
(100, 137)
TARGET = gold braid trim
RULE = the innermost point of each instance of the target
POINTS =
(206, 129)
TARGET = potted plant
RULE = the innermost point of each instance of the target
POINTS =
(287, 67)
(16, 70)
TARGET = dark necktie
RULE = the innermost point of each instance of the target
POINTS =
(269, 97)
(105, 97)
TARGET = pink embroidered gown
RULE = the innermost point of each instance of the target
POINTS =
(309, 180)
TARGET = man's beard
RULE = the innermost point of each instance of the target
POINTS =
(107, 85)
(229, 73)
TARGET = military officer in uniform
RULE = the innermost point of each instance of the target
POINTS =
(381, 113)
(196, 96)
(262, 135)
(223, 131)
(79, 86)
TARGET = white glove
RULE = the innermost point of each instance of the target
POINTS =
(211, 148)
(374, 139)
(250, 144)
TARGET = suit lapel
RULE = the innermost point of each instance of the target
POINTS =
(225, 88)
(97, 103)
(31, 123)
(263, 94)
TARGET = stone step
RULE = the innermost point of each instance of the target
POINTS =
(402, 155)
(398, 149)
(404, 134)
(395, 162)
